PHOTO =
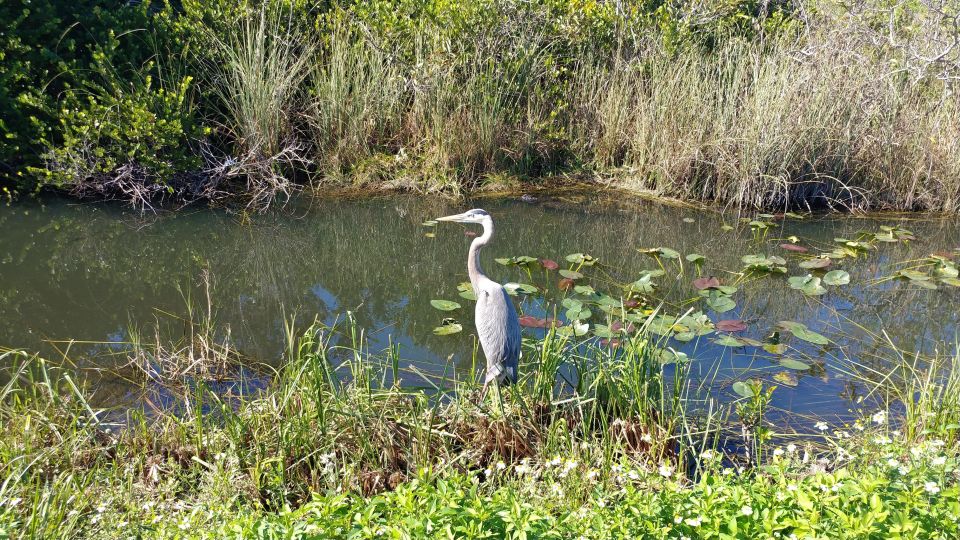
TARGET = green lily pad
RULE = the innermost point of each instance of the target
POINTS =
(642, 285)
(742, 389)
(729, 341)
(445, 305)
(790, 363)
(814, 264)
(571, 274)
(466, 291)
(836, 277)
(448, 327)
(695, 258)
(719, 302)
(800, 331)
(585, 290)
(581, 258)
(808, 284)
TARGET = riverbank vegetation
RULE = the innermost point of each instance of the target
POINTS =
(631, 452)
(774, 105)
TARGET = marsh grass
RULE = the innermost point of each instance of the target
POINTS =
(257, 71)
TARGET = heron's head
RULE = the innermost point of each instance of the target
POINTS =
(470, 216)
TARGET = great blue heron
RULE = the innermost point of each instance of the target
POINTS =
(497, 325)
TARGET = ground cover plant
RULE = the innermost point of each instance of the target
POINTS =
(767, 105)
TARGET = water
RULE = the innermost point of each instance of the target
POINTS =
(91, 273)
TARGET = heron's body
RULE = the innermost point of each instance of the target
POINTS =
(498, 327)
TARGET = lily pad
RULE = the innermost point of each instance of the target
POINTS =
(528, 321)
(695, 258)
(570, 274)
(836, 277)
(581, 258)
(719, 302)
(642, 285)
(790, 363)
(731, 325)
(445, 305)
(665, 252)
(429, 223)
(448, 327)
(729, 341)
(800, 331)
(742, 389)
(523, 288)
(706, 283)
(585, 290)
(786, 378)
(794, 248)
(817, 263)
(549, 264)
(808, 284)
(466, 291)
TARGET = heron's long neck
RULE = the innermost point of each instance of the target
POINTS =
(473, 259)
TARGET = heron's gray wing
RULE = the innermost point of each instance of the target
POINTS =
(499, 331)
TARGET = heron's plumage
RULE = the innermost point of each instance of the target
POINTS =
(498, 327)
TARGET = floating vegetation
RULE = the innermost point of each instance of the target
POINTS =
(448, 327)
(445, 305)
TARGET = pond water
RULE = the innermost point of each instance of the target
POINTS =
(91, 273)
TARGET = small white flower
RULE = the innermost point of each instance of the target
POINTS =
(791, 448)
(555, 462)
(633, 475)
(822, 426)
(791, 487)
(678, 520)
(746, 510)
(694, 522)
(880, 417)
(501, 465)
(939, 460)
(778, 452)
(646, 438)
(931, 488)
(903, 469)
(893, 463)
(592, 474)
(883, 440)
(708, 455)
(665, 471)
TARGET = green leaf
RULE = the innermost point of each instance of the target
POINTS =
(448, 327)
(720, 303)
(695, 258)
(445, 305)
(790, 363)
(836, 277)
(811, 264)
(742, 389)
(729, 341)
(581, 258)
(570, 274)
(786, 378)
(800, 331)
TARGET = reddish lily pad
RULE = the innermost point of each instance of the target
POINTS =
(706, 282)
(565, 284)
(529, 321)
(731, 325)
(794, 248)
(549, 264)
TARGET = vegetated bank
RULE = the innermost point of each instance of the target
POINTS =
(631, 454)
(768, 105)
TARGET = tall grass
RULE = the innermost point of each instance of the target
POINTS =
(768, 126)
(257, 71)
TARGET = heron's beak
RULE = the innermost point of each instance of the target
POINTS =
(456, 218)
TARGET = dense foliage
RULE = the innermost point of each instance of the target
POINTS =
(757, 103)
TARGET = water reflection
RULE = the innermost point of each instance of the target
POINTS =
(83, 272)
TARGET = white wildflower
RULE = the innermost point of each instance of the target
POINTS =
(931, 488)
(880, 417)
(791, 448)
(694, 522)
(746, 510)
(939, 460)
(822, 426)
(501, 465)
(665, 471)
(778, 452)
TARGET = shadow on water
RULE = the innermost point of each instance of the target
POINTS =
(91, 273)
